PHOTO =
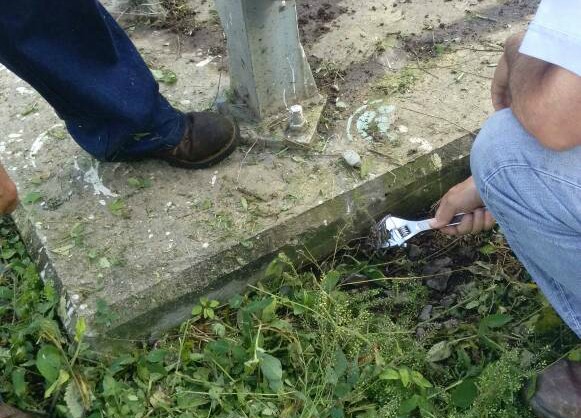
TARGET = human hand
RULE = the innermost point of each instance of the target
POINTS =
(8, 193)
(463, 197)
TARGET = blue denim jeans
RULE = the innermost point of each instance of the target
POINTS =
(535, 195)
(79, 59)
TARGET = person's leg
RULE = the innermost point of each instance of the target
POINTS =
(76, 55)
(535, 195)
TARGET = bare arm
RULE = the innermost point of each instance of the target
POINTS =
(545, 98)
(8, 193)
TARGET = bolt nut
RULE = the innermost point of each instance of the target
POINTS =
(297, 121)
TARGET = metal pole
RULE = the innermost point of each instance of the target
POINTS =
(269, 71)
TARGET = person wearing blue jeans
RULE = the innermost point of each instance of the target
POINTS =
(526, 172)
(78, 58)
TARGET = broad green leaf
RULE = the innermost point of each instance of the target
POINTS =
(420, 380)
(6, 293)
(548, 321)
(342, 389)
(409, 405)
(337, 413)
(157, 356)
(235, 301)
(218, 329)
(330, 280)
(164, 75)
(8, 254)
(18, 382)
(80, 329)
(340, 363)
(274, 269)
(190, 401)
(110, 386)
(495, 321)
(389, 374)
(197, 310)
(405, 376)
(487, 249)
(31, 198)
(440, 351)
(104, 263)
(73, 401)
(120, 362)
(63, 378)
(48, 362)
(258, 305)
(464, 394)
(272, 370)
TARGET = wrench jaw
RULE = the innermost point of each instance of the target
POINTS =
(385, 234)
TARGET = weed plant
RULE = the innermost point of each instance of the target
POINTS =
(341, 339)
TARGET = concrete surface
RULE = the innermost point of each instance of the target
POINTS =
(132, 247)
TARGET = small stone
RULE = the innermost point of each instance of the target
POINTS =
(448, 300)
(440, 273)
(440, 281)
(335, 88)
(420, 333)
(352, 158)
(451, 323)
(403, 129)
(341, 105)
(414, 252)
(426, 313)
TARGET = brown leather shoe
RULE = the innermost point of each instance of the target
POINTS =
(558, 393)
(7, 411)
(208, 139)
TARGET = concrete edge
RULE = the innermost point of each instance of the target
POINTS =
(405, 191)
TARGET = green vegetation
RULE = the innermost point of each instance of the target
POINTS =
(398, 83)
(340, 340)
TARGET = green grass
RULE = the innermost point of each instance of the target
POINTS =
(338, 340)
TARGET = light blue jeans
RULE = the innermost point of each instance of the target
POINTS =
(535, 195)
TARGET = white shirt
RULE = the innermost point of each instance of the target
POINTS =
(555, 34)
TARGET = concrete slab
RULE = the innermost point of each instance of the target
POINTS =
(131, 247)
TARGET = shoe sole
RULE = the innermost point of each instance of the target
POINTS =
(221, 155)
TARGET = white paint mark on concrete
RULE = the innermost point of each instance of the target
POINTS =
(373, 121)
(24, 90)
(91, 177)
(206, 61)
(422, 144)
(39, 143)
